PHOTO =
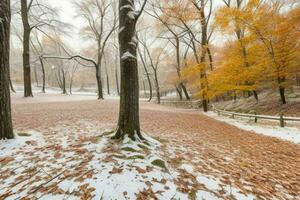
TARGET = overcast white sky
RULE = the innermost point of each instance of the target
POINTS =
(67, 14)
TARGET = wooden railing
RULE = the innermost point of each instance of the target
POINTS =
(282, 119)
(182, 104)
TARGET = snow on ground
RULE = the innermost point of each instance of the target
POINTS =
(291, 134)
(86, 165)
(55, 95)
(83, 162)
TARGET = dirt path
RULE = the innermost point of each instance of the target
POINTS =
(193, 144)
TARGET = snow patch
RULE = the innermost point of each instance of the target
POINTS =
(291, 134)
(127, 55)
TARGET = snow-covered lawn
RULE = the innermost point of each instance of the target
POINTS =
(83, 162)
(291, 134)
(64, 151)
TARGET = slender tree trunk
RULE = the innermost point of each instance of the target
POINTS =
(107, 84)
(10, 83)
(99, 82)
(204, 43)
(117, 82)
(129, 123)
(182, 86)
(117, 74)
(36, 76)
(211, 62)
(281, 80)
(255, 95)
(71, 85)
(144, 86)
(179, 92)
(26, 50)
(147, 75)
(64, 83)
(282, 95)
(6, 129)
(44, 75)
(186, 94)
(157, 87)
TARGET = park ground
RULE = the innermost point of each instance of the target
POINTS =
(63, 150)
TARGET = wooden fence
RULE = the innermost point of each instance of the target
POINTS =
(282, 119)
(182, 104)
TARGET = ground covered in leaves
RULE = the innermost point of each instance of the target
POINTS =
(63, 151)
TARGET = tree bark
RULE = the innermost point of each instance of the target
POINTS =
(99, 82)
(157, 87)
(10, 82)
(26, 50)
(107, 84)
(179, 91)
(64, 83)
(210, 57)
(6, 129)
(281, 80)
(129, 123)
(44, 75)
(179, 69)
(204, 44)
(117, 82)
(36, 76)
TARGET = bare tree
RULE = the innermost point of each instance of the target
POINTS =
(72, 74)
(129, 123)
(98, 14)
(176, 34)
(6, 130)
(34, 16)
(143, 60)
(155, 57)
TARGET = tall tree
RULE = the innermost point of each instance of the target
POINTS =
(98, 15)
(26, 48)
(176, 33)
(34, 16)
(129, 123)
(155, 57)
(6, 130)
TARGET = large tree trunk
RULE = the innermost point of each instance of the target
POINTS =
(26, 50)
(129, 123)
(6, 130)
